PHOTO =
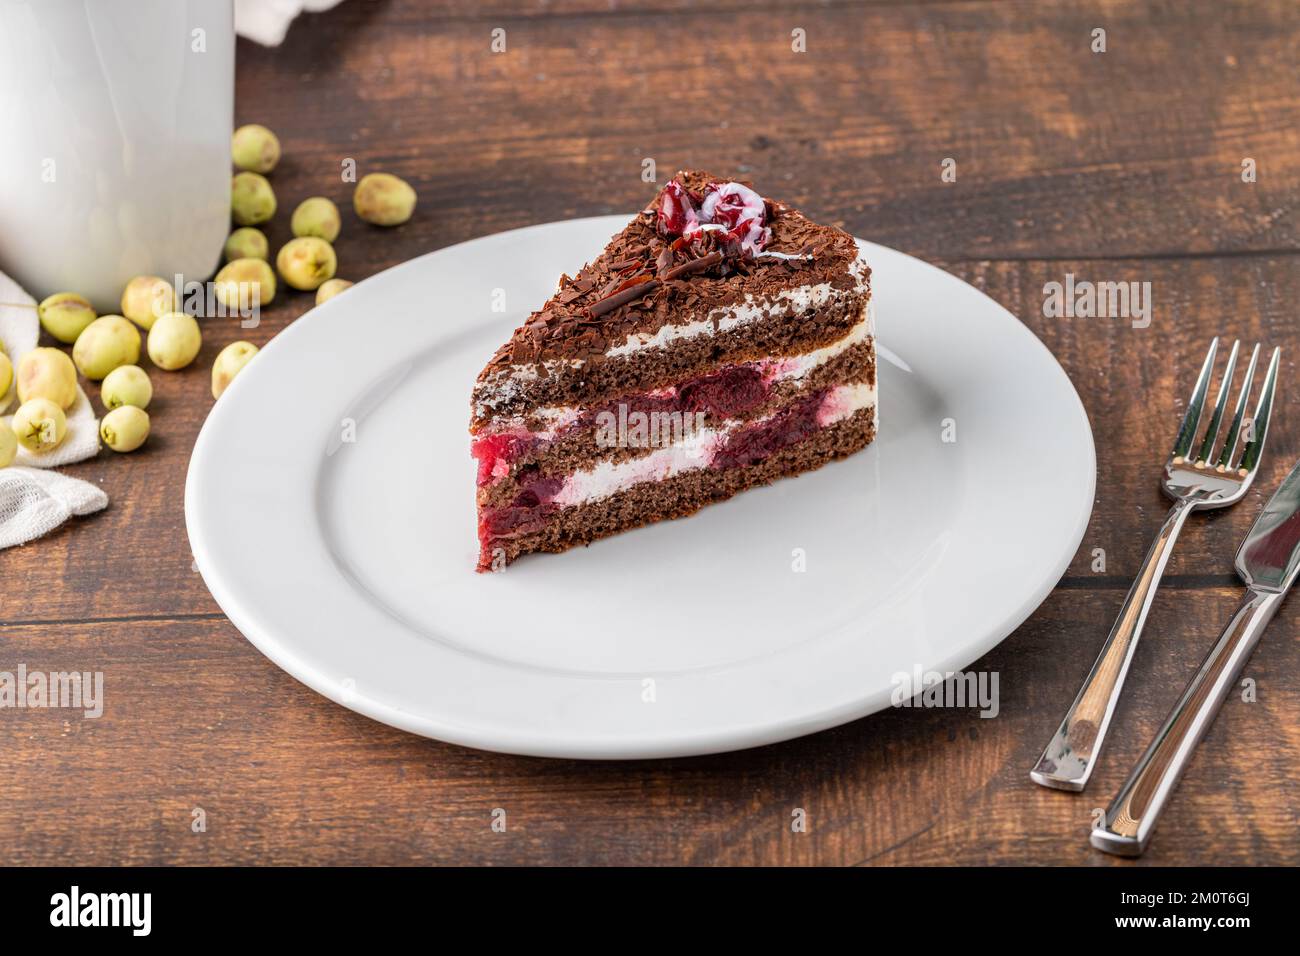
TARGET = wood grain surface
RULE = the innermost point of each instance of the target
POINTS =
(1116, 166)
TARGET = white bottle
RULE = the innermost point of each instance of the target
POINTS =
(115, 123)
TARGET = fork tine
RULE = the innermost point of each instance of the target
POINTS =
(1263, 411)
(1216, 419)
(1187, 431)
(1230, 443)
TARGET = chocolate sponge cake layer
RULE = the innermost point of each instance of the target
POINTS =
(684, 494)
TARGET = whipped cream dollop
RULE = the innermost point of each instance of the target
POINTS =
(734, 214)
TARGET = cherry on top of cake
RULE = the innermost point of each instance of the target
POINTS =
(704, 243)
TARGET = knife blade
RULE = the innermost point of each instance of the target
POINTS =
(1270, 556)
(1268, 561)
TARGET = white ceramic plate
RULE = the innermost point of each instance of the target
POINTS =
(351, 563)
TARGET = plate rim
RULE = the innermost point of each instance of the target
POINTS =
(648, 744)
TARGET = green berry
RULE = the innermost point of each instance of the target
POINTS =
(330, 288)
(252, 200)
(383, 199)
(47, 373)
(244, 283)
(247, 243)
(105, 344)
(39, 425)
(317, 217)
(230, 362)
(255, 147)
(126, 385)
(174, 340)
(64, 315)
(306, 262)
(147, 297)
(8, 445)
(125, 429)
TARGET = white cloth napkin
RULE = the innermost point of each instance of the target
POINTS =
(19, 331)
(34, 502)
(267, 21)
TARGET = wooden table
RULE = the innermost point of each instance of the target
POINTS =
(1117, 166)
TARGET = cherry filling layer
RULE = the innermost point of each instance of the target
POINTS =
(534, 505)
(529, 508)
(787, 427)
(725, 394)
(730, 392)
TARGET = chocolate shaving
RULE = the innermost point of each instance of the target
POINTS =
(695, 265)
(624, 296)
(664, 261)
(634, 280)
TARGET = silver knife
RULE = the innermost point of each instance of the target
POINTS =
(1268, 561)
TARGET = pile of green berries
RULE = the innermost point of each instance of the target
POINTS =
(306, 262)
(106, 348)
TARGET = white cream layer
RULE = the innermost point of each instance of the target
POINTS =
(609, 477)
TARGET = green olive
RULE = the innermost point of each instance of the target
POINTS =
(105, 344)
(39, 425)
(255, 147)
(6, 374)
(252, 200)
(174, 340)
(247, 243)
(317, 217)
(383, 199)
(146, 298)
(126, 385)
(330, 288)
(230, 362)
(47, 373)
(8, 445)
(306, 262)
(244, 283)
(124, 429)
(64, 315)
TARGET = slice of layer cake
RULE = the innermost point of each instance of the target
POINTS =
(720, 341)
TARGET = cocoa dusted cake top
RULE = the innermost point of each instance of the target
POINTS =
(704, 243)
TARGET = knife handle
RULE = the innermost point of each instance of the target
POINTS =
(1132, 815)
(1068, 759)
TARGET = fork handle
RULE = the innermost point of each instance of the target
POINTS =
(1067, 761)
(1132, 815)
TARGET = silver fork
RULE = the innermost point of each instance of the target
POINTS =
(1195, 480)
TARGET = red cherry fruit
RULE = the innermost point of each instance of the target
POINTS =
(676, 211)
